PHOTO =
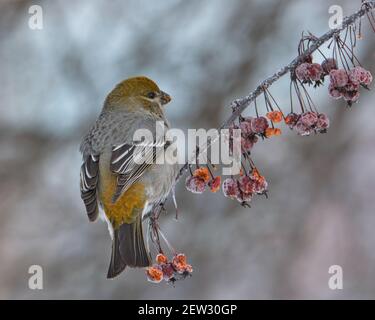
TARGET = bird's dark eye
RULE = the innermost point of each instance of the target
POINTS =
(151, 95)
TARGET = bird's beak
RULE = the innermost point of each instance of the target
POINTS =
(165, 97)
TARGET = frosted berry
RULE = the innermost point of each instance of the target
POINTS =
(195, 184)
(154, 274)
(302, 129)
(334, 92)
(230, 188)
(315, 71)
(245, 127)
(245, 184)
(339, 78)
(259, 125)
(360, 75)
(302, 72)
(291, 119)
(309, 119)
(244, 197)
(323, 123)
(328, 65)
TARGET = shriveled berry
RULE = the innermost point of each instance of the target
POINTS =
(328, 65)
(259, 125)
(302, 72)
(244, 197)
(315, 71)
(214, 184)
(351, 96)
(230, 188)
(168, 271)
(339, 78)
(334, 92)
(195, 184)
(291, 119)
(309, 118)
(360, 75)
(245, 127)
(323, 123)
(245, 184)
(302, 129)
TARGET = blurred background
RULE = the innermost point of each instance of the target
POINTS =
(320, 210)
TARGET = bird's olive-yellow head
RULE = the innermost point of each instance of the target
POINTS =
(137, 92)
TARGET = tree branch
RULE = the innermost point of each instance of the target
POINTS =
(239, 105)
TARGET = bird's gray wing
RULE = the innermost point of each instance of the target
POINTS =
(88, 184)
(130, 161)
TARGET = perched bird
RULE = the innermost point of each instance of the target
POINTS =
(112, 178)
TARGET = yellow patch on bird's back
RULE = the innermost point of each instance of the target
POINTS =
(127, 207)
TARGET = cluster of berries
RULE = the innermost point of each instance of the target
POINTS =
(251, 128)
(346, 84)
(309, 72)
(306, 123)
(245, 187)
(201, 179)
(169, 271)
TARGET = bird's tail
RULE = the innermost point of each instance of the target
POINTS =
(128, 248)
